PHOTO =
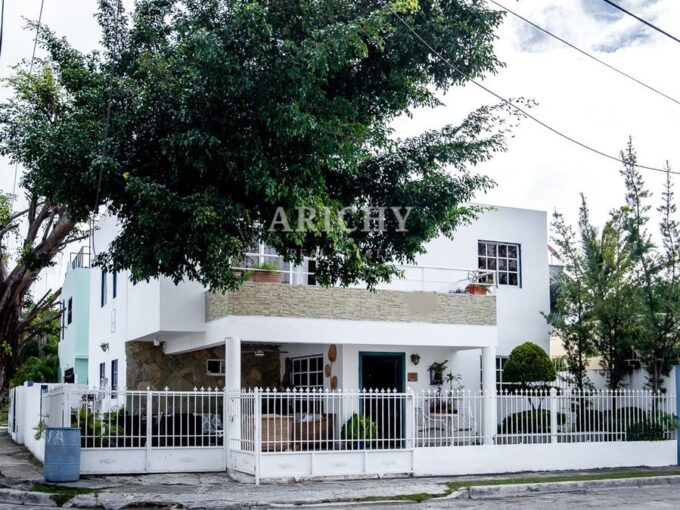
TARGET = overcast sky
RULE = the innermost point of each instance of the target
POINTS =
(575, 95)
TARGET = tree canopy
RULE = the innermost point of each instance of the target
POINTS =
(223, 114)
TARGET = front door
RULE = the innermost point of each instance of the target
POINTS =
(383, 372)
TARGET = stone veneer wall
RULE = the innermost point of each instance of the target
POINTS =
(150, 366)
(281, 300)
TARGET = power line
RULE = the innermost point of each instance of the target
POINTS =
(616, 6)
(30, 72)
(518, 108)
(583, 52)
(2, 24)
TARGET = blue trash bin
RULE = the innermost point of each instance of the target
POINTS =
(62, 454)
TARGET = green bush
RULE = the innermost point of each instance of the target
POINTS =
(529, 422)
(359, 428)
(527, 365)
(653, 428)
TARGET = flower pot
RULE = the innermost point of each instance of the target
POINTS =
(476, 289)
(267, 277)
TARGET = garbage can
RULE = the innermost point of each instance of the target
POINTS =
(62, 454)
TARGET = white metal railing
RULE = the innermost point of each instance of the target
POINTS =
(545, 416)
(268, 421)
(81, 258)
(138, 419)
(414, 277)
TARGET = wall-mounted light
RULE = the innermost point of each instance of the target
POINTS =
(104, 346)
(156, 342)
(415, 358)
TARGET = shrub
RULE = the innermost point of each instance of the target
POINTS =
(528, 363)
(529, 422)
(359, 428)
(653, 428)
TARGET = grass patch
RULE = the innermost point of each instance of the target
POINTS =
(418, 497)
(61, 494)
(454, 486)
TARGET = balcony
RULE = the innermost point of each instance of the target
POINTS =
(425, 294)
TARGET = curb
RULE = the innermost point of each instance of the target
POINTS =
(499, 491)
(16, 497)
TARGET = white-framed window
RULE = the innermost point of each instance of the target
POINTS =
(70, 311)
(500, 364)
(102, 289)
(307, 371)
(102, 374)
(214, 367)
(502, 259)
(114, 374)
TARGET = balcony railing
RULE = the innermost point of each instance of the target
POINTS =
(414, 277)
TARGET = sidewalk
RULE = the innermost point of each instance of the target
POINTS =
(20, 474)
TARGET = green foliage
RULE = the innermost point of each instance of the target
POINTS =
(536, 421)
(97, 429)
(359, 428)
(528, 366)
(656, 272)
(38, 363)
(224, 112)
(653, 428)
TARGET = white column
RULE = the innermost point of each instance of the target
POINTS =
(232, 364)
(489, 390)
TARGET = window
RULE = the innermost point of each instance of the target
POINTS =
(103, 289)
(500, 363)
(214, 367)
(502, 259)
(69, 313)
(307, 371)
(114, 285)
(102, 375)
(114, 374)
(62, 319)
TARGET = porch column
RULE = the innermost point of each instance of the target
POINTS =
(232, 363)
(489, 390)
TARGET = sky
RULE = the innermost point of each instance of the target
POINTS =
(574, 94)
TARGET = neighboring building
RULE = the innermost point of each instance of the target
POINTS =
(75, 319)
(159, 335)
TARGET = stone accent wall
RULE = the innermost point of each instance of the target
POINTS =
(150, 366)
(280, 300)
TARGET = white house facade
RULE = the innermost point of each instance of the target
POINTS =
(158, 334)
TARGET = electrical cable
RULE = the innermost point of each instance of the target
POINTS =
(518, 108)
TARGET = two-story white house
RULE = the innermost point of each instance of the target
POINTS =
(157, 334)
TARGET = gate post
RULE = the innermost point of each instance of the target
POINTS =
(553, 415)
(677, 410)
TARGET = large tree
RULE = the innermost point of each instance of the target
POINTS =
(597, 309)
(657, 268)
(202, 121)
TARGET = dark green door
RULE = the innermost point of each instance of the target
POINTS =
(383, 372)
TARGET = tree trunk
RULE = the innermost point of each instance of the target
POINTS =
(9, 322)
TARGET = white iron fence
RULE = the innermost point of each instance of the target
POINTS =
(321, 420)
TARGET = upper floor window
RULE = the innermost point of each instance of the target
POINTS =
(69, 311)
(114, 284)
(502, 259)
(103, 289)
(307, 371)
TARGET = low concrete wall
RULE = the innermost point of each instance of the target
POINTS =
(479, 460)
(303, 301)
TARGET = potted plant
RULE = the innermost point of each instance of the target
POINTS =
(358, 430)
(437, 372)
(267, 272)
(477, 285)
